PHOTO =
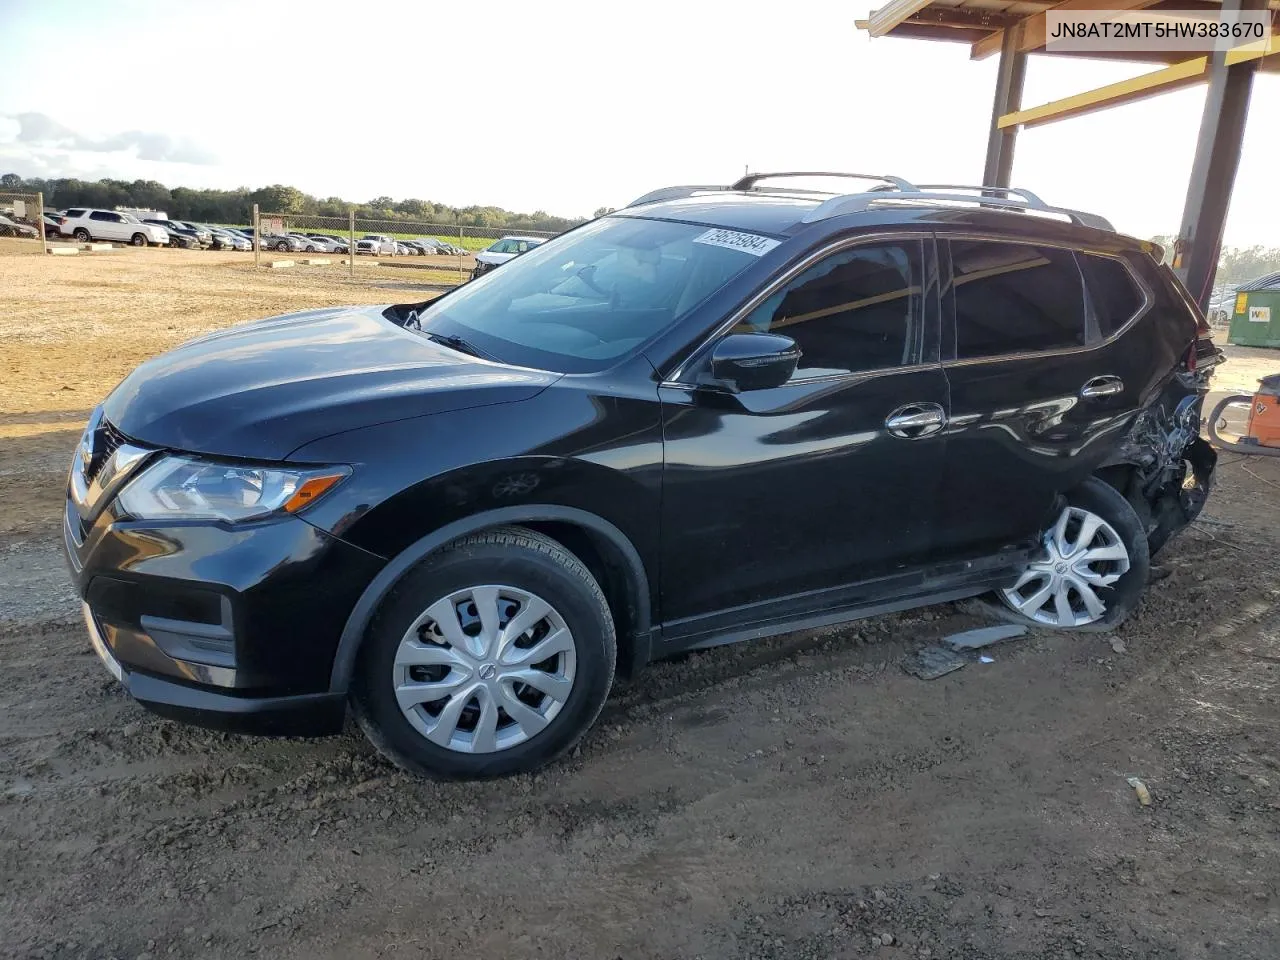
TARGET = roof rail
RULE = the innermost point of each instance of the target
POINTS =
(673, 193)
(1001, 197)
(751, 179)
(888, 189)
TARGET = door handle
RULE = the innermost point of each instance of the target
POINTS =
(916, 420)
(1104, 386)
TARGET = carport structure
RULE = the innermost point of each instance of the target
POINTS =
(1012, 29)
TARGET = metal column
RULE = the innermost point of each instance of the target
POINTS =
(1213, 174)
(1009, 81)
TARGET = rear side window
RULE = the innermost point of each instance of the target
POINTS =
(105, 215)
(1115, 295)
(75, 212)
(852, 312)
(1015, 298)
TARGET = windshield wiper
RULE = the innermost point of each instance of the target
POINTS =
(459, 344)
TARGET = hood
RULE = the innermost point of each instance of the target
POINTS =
(264, 389)
(495, 258)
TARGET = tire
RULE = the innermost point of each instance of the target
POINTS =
(1117, 583)
(138, 240)
(530, 568)
(82, 235)
(282, 247)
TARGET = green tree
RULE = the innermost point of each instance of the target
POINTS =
(278, 198)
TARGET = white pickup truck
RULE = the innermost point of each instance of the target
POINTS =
(376, 244)
(86, 224)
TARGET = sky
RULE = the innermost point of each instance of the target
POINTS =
(566, 106)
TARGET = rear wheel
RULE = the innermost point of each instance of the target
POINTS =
(494, 656)
(1092, 568)
(82, 235)
(282, 247)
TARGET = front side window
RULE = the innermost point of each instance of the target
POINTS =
(855, 311)
(583, 300)
(1015, 298)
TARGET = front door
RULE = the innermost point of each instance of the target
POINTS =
(829, 479)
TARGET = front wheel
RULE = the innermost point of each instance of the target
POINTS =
(282, 247)
(492, 657)
(1092, 567)
(138, 240)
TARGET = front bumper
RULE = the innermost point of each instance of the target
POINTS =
(234, 627)
(316, 714)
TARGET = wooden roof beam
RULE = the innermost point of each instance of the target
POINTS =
(1184, 74)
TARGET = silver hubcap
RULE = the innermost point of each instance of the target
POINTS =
(1081, 553)
(484, 669)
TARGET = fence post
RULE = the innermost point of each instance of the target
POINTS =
(257, 237)
(40, 221)
(462, 251)
(351, 243)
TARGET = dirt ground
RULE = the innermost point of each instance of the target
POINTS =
(800, 798)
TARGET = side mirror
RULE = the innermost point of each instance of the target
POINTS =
(754, 361)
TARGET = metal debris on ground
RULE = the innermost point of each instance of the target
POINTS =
(1118, 645)
(1140, 788)
(933, 662)
(983, 636)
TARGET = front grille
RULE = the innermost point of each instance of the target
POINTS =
(105, 441)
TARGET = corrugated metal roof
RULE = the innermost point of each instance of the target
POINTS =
(1269, 282)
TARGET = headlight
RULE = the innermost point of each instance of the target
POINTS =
(180, 488)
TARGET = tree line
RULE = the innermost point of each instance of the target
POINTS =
(236, 206)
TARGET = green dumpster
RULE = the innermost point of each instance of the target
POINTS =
(1256, 319)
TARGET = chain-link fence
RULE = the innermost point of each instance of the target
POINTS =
(22, 225)
(412, 251)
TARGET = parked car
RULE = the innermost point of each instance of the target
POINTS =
(376, 244)
(404, 250)
(12, 228)
(52, 225)
(430, 246)
(463, 516)
(500, 252)
(416, 248)
(224, 239)
(281, 242)
(180, 235)
(204, 234)
(86, 224)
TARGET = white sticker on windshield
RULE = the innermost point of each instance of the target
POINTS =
(751, 243)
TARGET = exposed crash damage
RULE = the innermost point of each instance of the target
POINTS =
(1165, 467)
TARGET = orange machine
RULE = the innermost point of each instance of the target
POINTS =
(1262, 434)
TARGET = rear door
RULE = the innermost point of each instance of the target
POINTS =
(108, 225)
(1040, 394)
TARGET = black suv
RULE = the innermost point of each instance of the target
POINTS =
(720, 413)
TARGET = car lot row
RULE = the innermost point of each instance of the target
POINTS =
(86, 225)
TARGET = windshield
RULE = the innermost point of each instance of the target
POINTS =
(578, 303)
(129, 218)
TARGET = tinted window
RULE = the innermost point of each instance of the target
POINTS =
(74, 212)
(851, 312)
(1015, 298)
(104, 215)
(1115, 295)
